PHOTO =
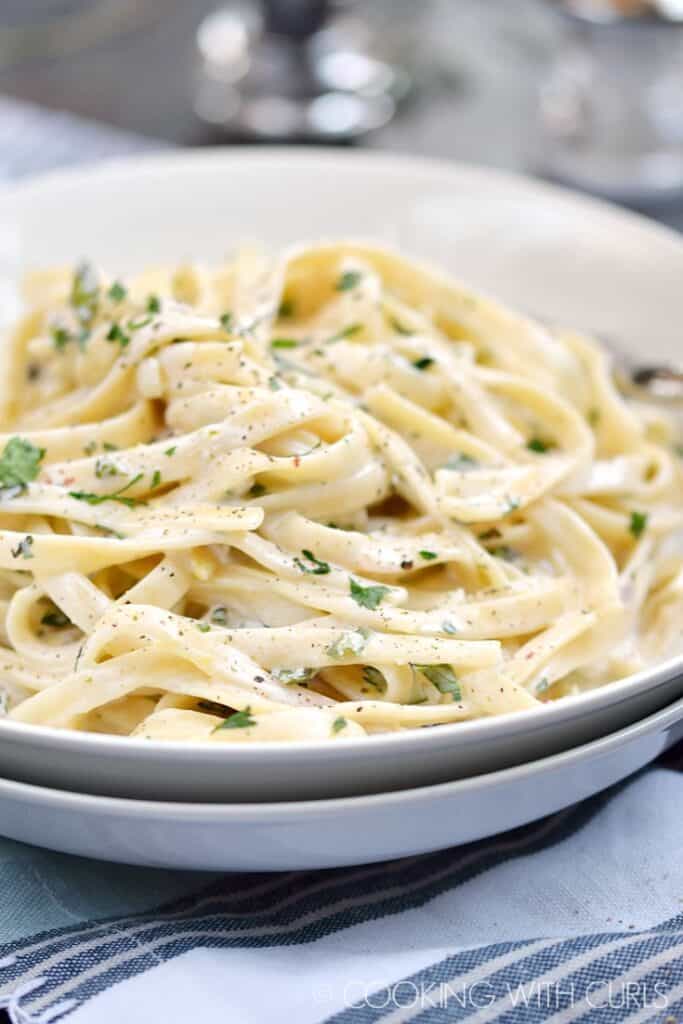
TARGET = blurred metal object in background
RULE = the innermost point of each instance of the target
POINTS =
(304, 70)
(612, 105)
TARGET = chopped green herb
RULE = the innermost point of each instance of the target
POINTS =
(61, 337)
(97, 499)
(536, 444)
(153, 304)
(348, 643)
(348, 280)
(90, 447)
(399, 327)
(203, 627)
(286, 309)
(463, 463)
(443, 678)
(135, 325)
(449, 628)
(115, 333)
(23, 548)
(117, 292)
(226, 321)
(240, 720)
(19, 463)
(104, 468)
(428, 556)
(85, 295)
(293, 676)
(219, 615)
(257, 490)
(338, 724)
(424, 363)
(156, 478)
(55, 618)
(284, 343)
(367, 597)
(346, 332)
(638, 523)
(109, 447)
(171, 451)
(315, 566)
(373, 677)
(274, 384)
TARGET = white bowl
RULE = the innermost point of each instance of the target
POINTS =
(561, 256)
(329, 833)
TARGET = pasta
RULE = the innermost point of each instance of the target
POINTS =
(319, 495)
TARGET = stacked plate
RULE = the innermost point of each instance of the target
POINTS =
(272, 806)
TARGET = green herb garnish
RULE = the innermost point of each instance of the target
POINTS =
(348, 280)
(338, 724)
(19, 463)
(346, 332)
(240, 720)
(219, 615)
(97, 499)
(315, 566)
(156, 478)
(116, 333)
(61, 337)
(638, 523)
(117, 292)
(373, 677)
(347, 644)
(424, 363)
(104, 468)
(23, 548)
(399, 327)
(85, 295)
(226, 321)
(284, 343)
(536, 444)
(367, 597)
(428, 556)
(153, 304)
(293, 676)
(443, 678)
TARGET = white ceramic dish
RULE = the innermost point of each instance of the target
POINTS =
(543, 249)
(329, 833)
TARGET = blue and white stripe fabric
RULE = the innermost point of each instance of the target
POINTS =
(575, 918)
(578, 917)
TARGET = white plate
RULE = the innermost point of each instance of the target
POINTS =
(329, 833)
(562, 256)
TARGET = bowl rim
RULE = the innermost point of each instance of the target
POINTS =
(184, 161)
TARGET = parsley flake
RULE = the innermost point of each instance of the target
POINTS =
(170, 451)
(153, 304)
(373, 677)
(347, 280)
(240, 720)
(367, 597)
(339, 724)
(284, 343)
(116, 333)
(315, 567)
(19, 463)
(428, 556)
(85, 295)
(638, 523)
(346, 332)
(348, 643)
(424, 363)
(23, 548)
(117, 292)
(97, 499)
(443, 678)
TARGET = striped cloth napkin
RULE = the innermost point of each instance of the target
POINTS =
(578, 917)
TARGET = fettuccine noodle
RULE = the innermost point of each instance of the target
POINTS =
(318, 496)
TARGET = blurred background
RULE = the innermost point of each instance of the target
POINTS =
(587, 92)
